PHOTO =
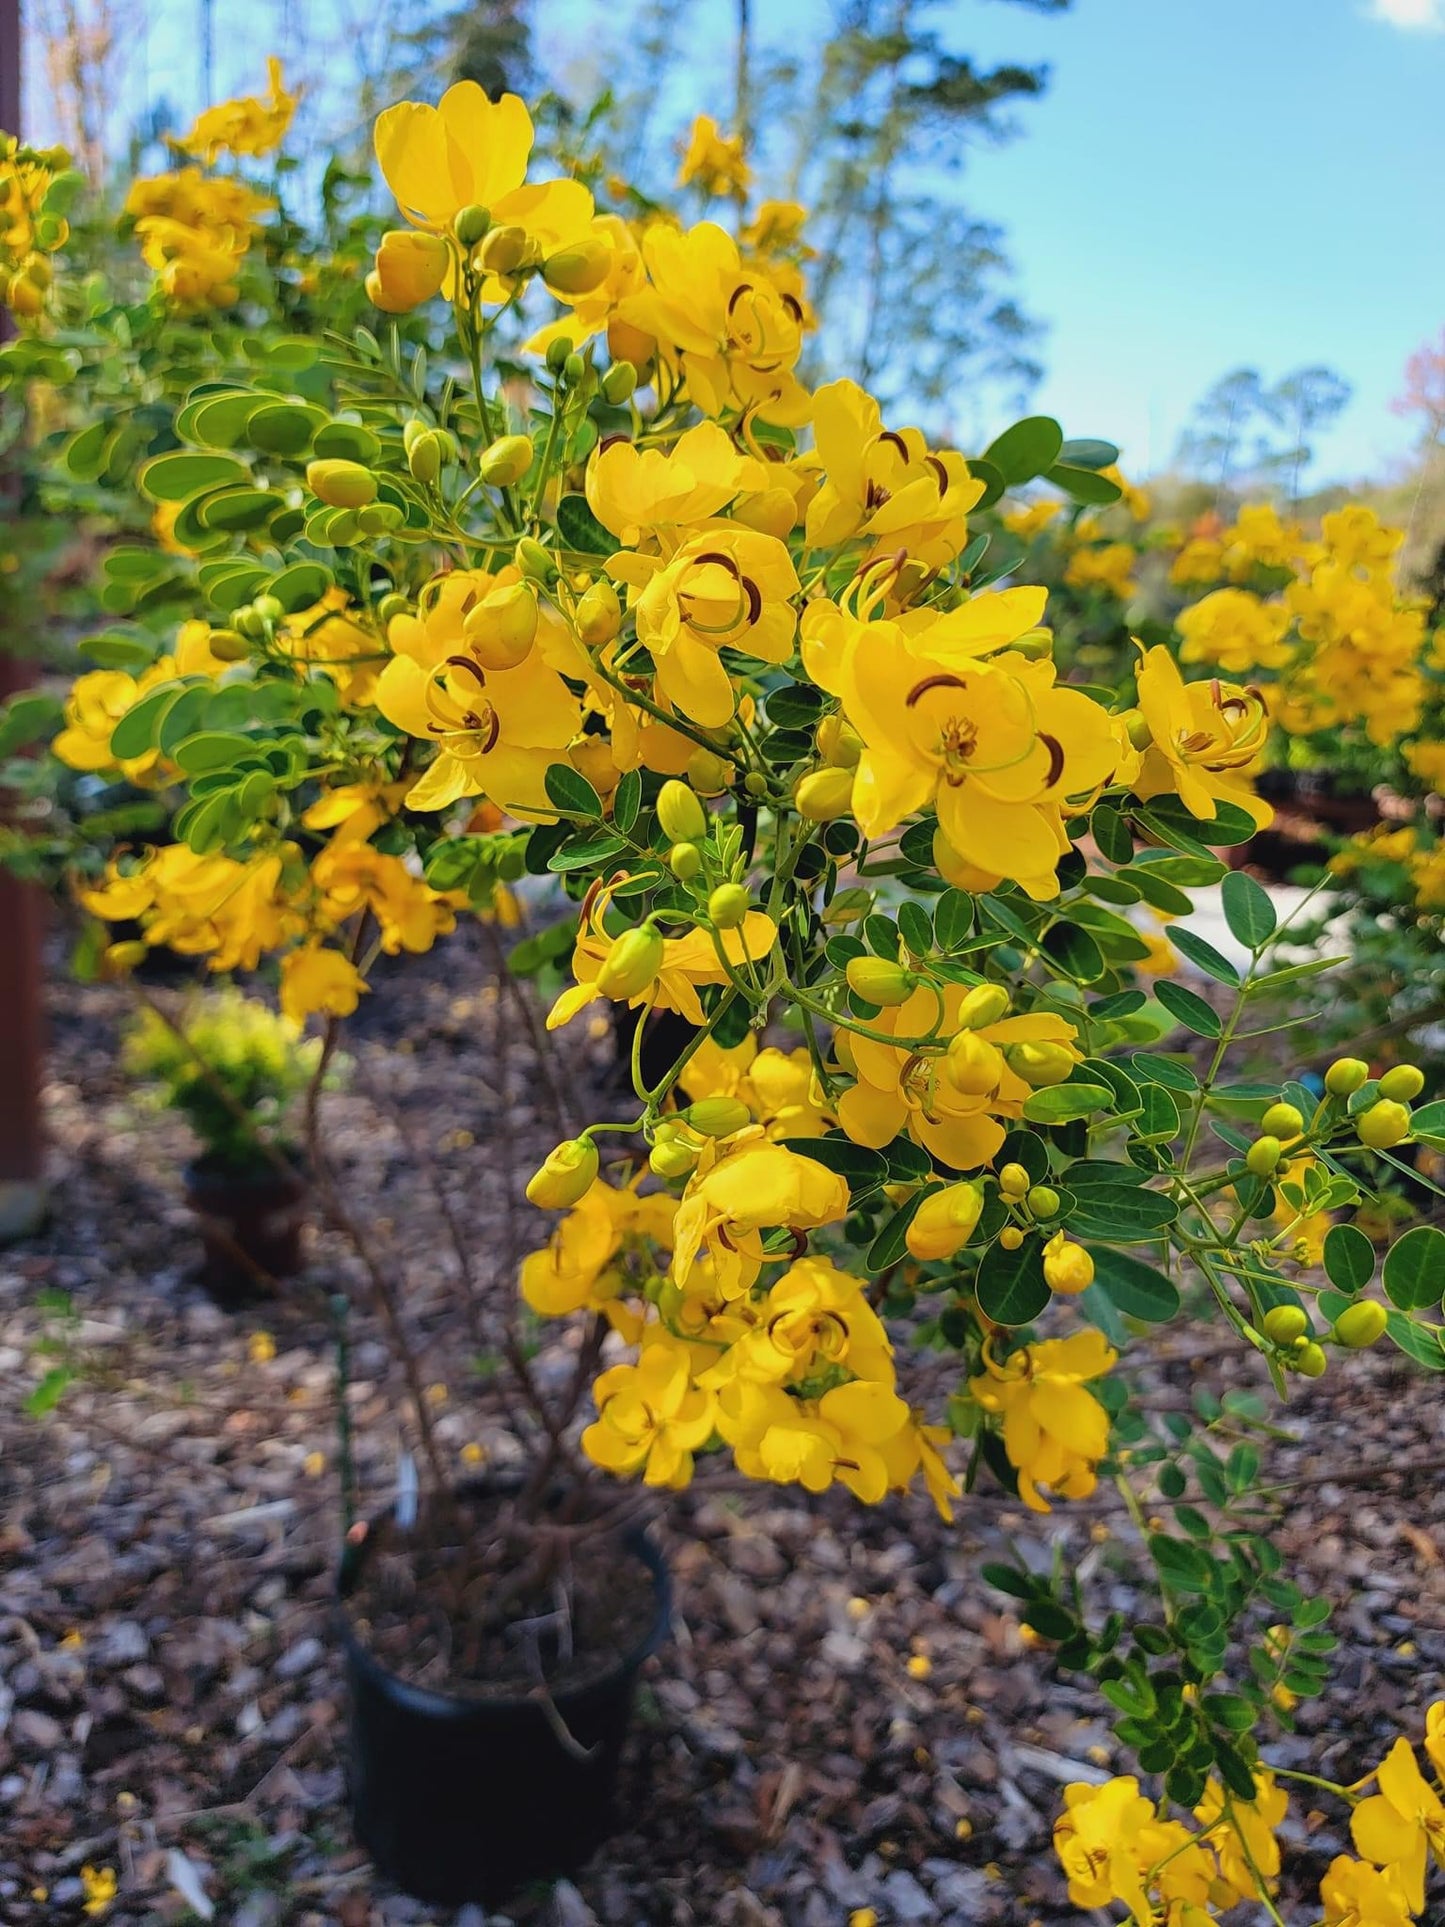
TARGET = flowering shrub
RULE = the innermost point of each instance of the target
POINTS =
(579, 582)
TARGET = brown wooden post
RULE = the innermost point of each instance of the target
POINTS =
(22, 1190)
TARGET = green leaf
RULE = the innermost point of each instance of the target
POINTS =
(242, 507)
(580, 529)
(299, 586)
(1158, 1120)
(1349, 1257)
(25, 719)
(1116, 1216)
(177, 477)
(1026, 449)
(992, 478)
(1155, 1069)
(48, 1393)
(1248, 910)
(582, 856)
(1088, 452)
(1111, 833)
(347, 442)
(796, 705)
(1010, 1287)
(1189, 1009)
(570, 791)
(1075, 953)
(284, 427)
(864, 1169)
(1203, 953)
(1428, 1124)
(952, 919)
(138, 730)
(1182, 1566)
(212, 750)
(1417, 1341)
(1084, 484)
(891, 1244)
(1414, 1273)
(627, 801)
(1136, 1289)
(1062, 1103)
(916, 928)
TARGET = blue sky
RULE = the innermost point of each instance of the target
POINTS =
(1207, 183)
(1210, 185)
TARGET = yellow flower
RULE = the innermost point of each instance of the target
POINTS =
(1054, 1431)
(411, 266)
(636, 492)
(728, 329)
(1435, 1737)
(1203, 737)
(884, 485)
(729, 588)
(779, 1087)
(814, 1318)
(990, 740)
(813, 1442)
(260, 1348)
(686, 962)
(1107, 566)
(1235, 631)
(315, 979)
(901, 1088)
(410, 915)
(752, 1187)
(466, 152)
(212, 906)
(715, 161)
(99, 1886)
(1427, 761)
(1403, 1825)
(651, 1417)
(244, 126)
(776, 227)
(496, 730)
(589, 1258)
(1354, 1894)
(1096, 1839)
(1242, 1833)
(1032, 519)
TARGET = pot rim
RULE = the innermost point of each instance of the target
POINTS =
(431, 1702)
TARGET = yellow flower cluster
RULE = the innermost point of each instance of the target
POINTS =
(196, 228)
(1422, 858)
(30, 232)
(1054, 1430)
(1106, 566)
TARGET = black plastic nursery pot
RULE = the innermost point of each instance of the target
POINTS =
(469, 1799)
(250, 1225)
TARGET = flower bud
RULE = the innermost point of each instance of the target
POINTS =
(341, 484)
(1067, 1266)
(573, 370)
(632, 963)
(1283, 1324)
(471, 224)
(824, 795)
(1043, 1201)
(1039, 1064)
(247, 623)
(122, 958)
(506, 461)
(1382, 1125)
(728, 905)
(838, 742)
(1011, 1237)
(1310, 1361)
(674, 1157)
(685, 861)
(501, 628)
(1282, 1121)
(755, 783)
(424, 457)
(1014, 1181)
(718, 1116)
(412, 430)
(708, 773)
(269, 609)
(878, 980)
(944, 1222)
(681, 815)
(567, 1175)
(1345, 1076)
(1359, 1326)
(1402, 1083)
(1262, 1156)
(558, 350)
(598, 615)
(533, 560)
(973, 1066)
(619, 383)
(580, 268)
(506, 249)
(227, 646)
(984, 1005)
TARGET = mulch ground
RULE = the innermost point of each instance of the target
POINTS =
(171, 1703)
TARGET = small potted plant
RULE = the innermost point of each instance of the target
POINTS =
(232, 1068)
